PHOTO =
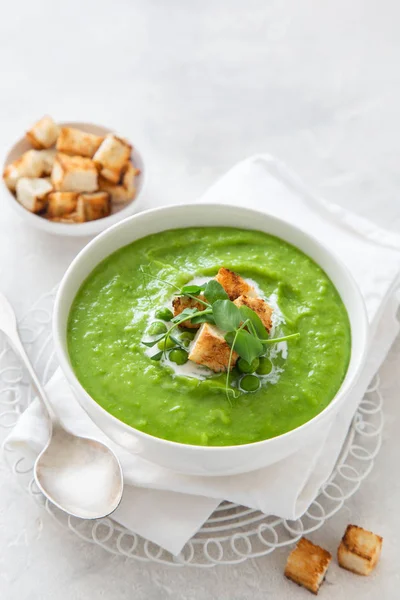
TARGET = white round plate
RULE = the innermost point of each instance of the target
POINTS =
(233, 533)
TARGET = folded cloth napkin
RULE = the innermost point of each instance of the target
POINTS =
(168, 508)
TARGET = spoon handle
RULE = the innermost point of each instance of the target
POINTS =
(20, 350)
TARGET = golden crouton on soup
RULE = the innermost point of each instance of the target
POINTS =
(76, 142)
(210, 349)
(259, 306)
(180, 303)
(74, 174)
(43, 134)
(233, 284)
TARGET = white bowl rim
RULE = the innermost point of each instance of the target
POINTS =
(67, 369)
(89, 228)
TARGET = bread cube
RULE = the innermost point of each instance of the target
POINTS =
(307, 565)
(260, 306)
(359, 550)
(117, 193)
(93, 206)
(43, 134)
(32, 193)
(74, 141)
(129, 173)
(30, 164)
(47, 158)
(112, 156)
(61, 204)
(74, 174)
(125, 190)
(180, 303)
(68, 219)
(211, 350)
(233, 284)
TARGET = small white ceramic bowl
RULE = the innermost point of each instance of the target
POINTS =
(118, 212)
(200, 460)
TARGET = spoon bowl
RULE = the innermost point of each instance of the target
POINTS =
(80, 475)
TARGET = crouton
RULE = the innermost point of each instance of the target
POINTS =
(61, 204)
(33, 163)
(263, 310)
(112, 156)
(180, 303)
(43, 134)
(129, 173)
(93, 206)
(125, 190)
(307, 565)
(46, 158)
(74, 174)
(359, 550)
(211, 350)
(32, 193)
(233, 284)
(30, 164)
(74, 141)
(117, 192)
(71, 218)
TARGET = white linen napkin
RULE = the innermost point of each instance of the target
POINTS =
(168, 508)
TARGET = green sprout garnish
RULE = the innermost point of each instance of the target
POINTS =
(244, 331)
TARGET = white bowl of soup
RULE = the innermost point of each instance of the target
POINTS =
(118, 293)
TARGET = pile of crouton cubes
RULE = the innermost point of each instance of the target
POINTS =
(358, 552)
(71, 176)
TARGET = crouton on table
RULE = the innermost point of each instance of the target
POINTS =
(43, 134)
(74, 141)
(93, 206)
(359, 550)
(260, 306)
(30, 164)
(180, 303)
(32, 193)
(74, 174)
(307, 565)
(112, 156)
(61, 204)
(211, 350)
(233, 284)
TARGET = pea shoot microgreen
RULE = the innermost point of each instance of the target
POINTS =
(192, 289)
(243, 329)
(214, 291)
(226, 315)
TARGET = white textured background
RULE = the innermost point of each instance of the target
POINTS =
(198, 85)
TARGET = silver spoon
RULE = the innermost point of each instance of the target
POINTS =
(81, 476)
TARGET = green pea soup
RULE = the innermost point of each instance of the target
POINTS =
(110, 316)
